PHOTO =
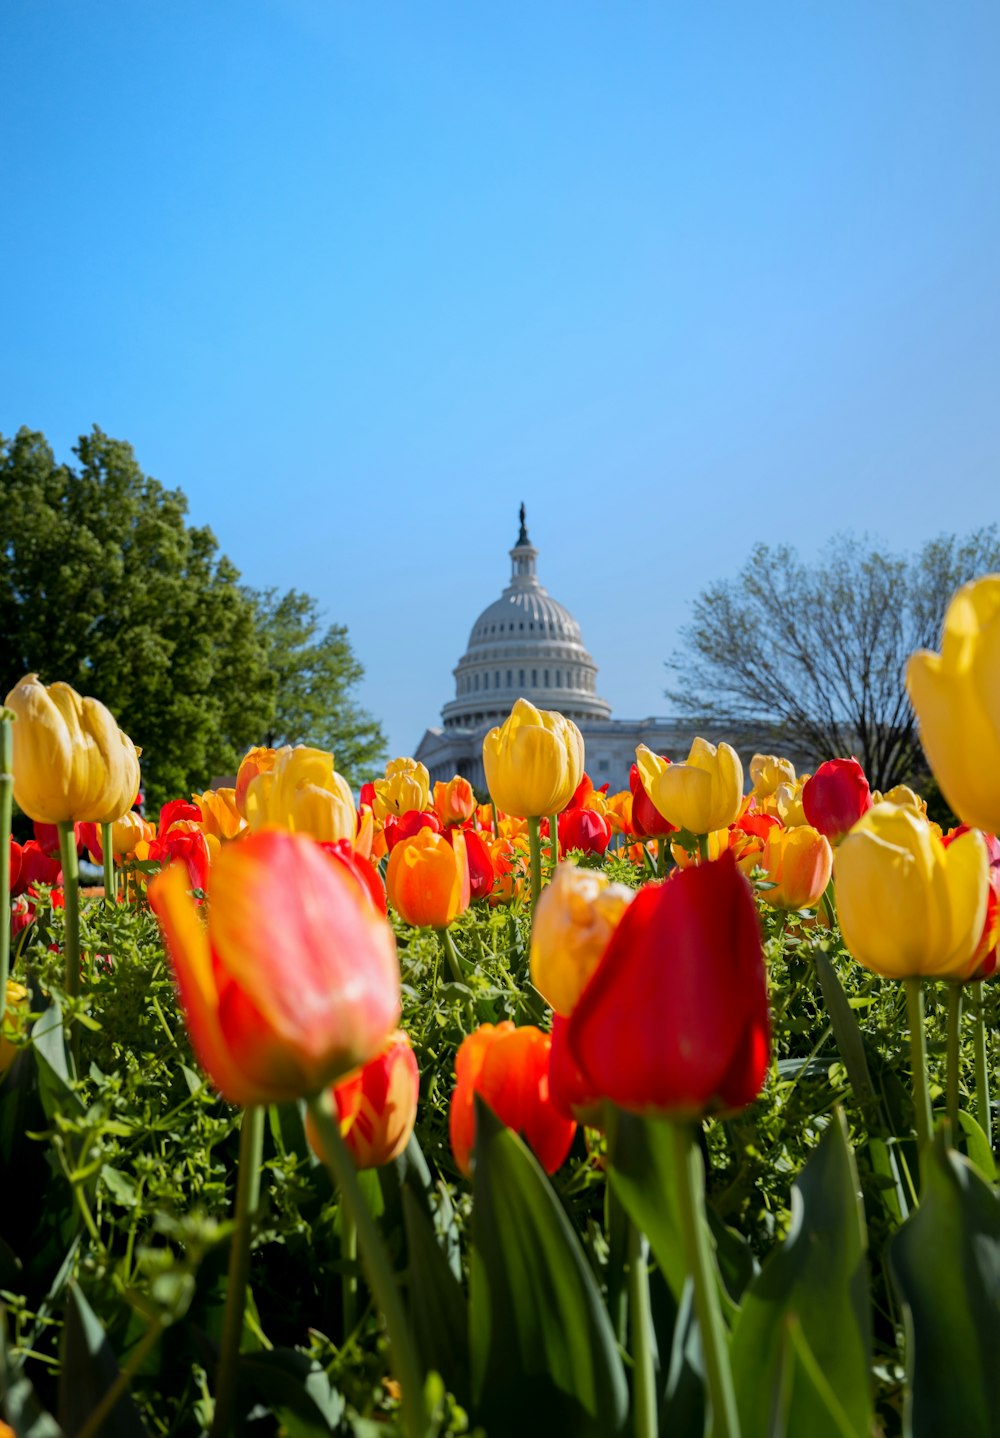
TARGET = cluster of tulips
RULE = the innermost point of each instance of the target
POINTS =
(273, 899)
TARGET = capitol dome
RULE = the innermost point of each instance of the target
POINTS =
(524, 645)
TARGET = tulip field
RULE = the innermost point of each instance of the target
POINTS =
(543, 1111)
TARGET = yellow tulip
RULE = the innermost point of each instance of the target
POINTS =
(907, 905)
(220, 816)
(956, 695)
(574, 919)
(787, 800)
(702, 794)
(15, 1023)
(533, 761)
(767, 771)
(303, 793)
(128, 831)
(72, 764)
(406, 786)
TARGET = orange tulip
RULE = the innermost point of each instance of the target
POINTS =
(259, 760)
(509, 1068)
(428, 879)
(454, 802)
(798, 862)
(293, 982)
(220, 816)
(377, 1105)
(510, 859)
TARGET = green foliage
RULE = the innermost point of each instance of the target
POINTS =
(105, 586)
(126, 1176)
(819, 651)
(314, 671)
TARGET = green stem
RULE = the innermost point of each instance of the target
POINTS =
(111, 1396)
(451, 954)
(71, 899)
(918, 1060)
(349, 1278)
(378, 1269)
(110, 885)
(554, 838)
(662, 854)
(983, 1111)
(954, 1055)
(642, 1336)
(718, 1375)
(535, 846)
(247, 1198)
(828, 906)
(703, 848)
(6, 809)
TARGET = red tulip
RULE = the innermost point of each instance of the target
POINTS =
(571, 1094)
(343, 852)
(36, 868)
(408, 824)
(481, 873)
(584, 829)
(647, 821)
(835, 797)
(509, 1068)
(377, 1105)
(47, 838)
(674, 1019)
(984, 962)
(293, 982)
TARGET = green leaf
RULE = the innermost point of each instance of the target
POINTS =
(946, 1264)
(437, 1302)
(816, 1281)
(89, 1368)
(642, 1174)
(977, 1146)
(807, 1403)
(25, 1414)
(544, 1358)
(295, 1389)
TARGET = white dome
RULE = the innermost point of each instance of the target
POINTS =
(526, 645)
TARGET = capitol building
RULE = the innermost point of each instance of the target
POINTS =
(528, 645)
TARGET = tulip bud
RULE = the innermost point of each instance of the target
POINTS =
(574, 920)
(836, 796)
(303, 793)
(407, 825)
(700, 795)
(584, 829)
(907, 904)
(406, 785)
(798, 862)
(509, 1068)
(646, 820)
(376, 1105)
(428, 879)
(954, 695)
(767, 771)
(533, 761)
(71, 761)
(294, 981)
(455, 801)
(258, 760)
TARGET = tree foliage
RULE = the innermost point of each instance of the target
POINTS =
(314, 671)
(103, 584)
(819, 651)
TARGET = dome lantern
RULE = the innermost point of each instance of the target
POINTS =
(528, 645)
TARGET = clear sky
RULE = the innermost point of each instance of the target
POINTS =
(359, 278)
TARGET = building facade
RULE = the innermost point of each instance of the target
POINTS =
(526, 644)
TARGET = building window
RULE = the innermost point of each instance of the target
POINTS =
(521, 680)
(602, 766)
(522, 623)
(475, 681)
(496, 680)
(558, 678)
(534, 678)
(486, 680)
(546, 678)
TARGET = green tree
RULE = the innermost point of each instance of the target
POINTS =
(314, 671)
(818, 652)
(103, 584)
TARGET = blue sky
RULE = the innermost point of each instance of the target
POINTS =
(360, 278)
